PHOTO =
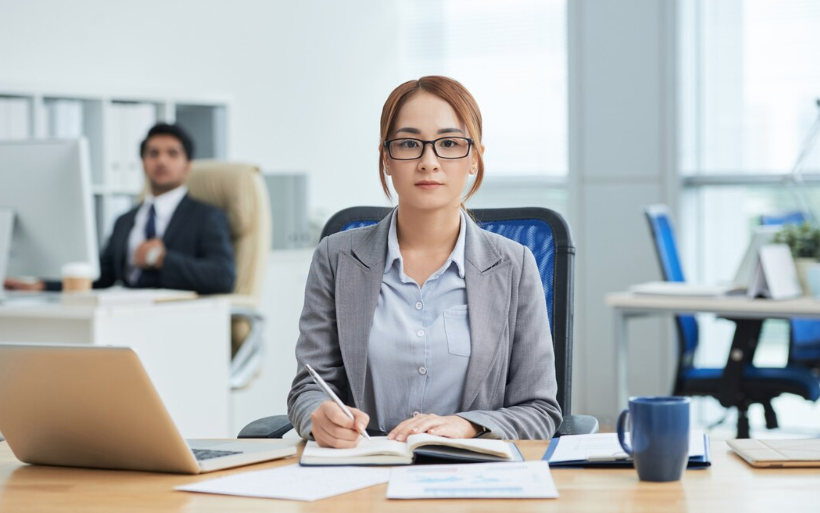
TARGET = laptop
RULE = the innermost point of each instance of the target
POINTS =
(778, 453)
(744, 276)
(94, 406)
(761, 236)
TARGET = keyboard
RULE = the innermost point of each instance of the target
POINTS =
(207, 454)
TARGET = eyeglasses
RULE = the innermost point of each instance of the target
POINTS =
(444, 148)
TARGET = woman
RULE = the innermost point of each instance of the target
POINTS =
(425, 323)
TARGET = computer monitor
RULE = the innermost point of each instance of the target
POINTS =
(46, 185)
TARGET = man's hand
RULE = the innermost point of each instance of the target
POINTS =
(143, 250)
(16, 284)
(332, 428)
(451, 426)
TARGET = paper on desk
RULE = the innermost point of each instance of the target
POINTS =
(605, 447)
(524, 480)
(294, 482)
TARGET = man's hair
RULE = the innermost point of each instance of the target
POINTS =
(174, 131)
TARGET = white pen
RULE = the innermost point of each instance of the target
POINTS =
(326, 389)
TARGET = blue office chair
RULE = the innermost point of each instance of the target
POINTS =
(804, 334)
(783, 218)
(739, 384)
(548, 236)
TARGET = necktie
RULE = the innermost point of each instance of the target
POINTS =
(150, 233)
(151, 224)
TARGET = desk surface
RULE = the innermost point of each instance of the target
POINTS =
(55, 310)
(726, 306)
(730, 485)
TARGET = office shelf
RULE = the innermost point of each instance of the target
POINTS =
(114, 124)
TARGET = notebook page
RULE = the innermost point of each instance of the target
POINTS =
(376, 445)
(494, 447)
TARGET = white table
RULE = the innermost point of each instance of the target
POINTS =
(184, 346)
(627, 305)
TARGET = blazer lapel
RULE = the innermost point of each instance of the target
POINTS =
(119, 245)
(358, 282)
(487, 278)
(177, 220)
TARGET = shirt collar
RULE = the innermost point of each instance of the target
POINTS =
(165, 204)
(393, 252)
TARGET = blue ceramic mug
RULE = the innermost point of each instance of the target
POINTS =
(660, 436)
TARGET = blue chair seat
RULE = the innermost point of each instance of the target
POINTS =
(800, 381)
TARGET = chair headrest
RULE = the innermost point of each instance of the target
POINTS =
(229, 186)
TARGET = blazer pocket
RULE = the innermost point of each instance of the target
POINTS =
(457, 329)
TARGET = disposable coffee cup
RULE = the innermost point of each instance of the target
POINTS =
(77, 277)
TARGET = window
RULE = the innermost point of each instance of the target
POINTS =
(749, 82)
(512, 56)
(750, 79)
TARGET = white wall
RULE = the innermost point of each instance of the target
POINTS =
(306, 79)
(622, 157)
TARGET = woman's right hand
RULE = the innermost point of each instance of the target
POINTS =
(332, 428)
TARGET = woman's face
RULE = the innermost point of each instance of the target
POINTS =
(429, 182)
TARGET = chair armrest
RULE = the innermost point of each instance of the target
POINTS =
(578, 425)
(268, 427)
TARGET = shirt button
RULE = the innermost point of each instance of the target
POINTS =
(422, 371)
(420, 333)
(419, 305)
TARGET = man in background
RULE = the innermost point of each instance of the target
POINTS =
(170, 240)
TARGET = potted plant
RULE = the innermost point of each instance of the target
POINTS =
(804, 242)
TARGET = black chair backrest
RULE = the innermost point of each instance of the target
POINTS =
(547, 234)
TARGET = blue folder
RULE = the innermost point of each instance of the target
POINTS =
(695, 462)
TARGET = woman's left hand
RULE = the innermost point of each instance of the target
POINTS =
(451, 426)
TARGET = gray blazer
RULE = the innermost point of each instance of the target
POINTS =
(510, 386)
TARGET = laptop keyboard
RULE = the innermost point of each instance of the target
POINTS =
(207, 454)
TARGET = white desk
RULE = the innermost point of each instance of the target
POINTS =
(184, 346)
(627, 305)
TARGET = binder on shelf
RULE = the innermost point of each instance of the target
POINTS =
(65, 119)
(14, 119)
(135, 121)
(113, 139)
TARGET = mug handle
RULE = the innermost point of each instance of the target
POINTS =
(621, 432)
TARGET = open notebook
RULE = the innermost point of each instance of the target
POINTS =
(381, 451)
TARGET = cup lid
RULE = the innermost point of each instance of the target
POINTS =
(77, 270)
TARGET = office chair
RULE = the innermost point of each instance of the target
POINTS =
(804, 334)
(739, 384)
(548, 236)
(782, 218)
(238, 189)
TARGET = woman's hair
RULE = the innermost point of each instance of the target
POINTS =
(448, 90)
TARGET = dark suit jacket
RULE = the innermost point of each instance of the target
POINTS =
(199, 255)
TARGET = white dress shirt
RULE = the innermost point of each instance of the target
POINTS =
(164, 206)
(420, 340)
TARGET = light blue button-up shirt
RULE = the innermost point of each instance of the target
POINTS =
(419, 344)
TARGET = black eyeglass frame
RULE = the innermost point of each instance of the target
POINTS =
(431, 143)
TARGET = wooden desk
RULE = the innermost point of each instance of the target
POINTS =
(729, 486)
(748, 315)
